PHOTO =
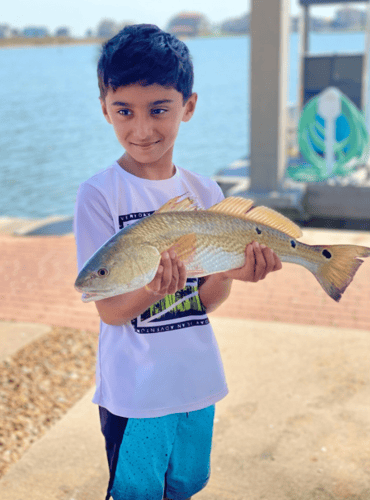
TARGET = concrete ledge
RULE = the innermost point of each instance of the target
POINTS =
(352, 202)
(53, 225)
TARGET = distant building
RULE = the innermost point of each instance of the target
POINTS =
(319, 23)
(5, 31)
(35, 32)
(239, 25)
(189, 24)
(349, 18)
(62, 32)
(107, 28)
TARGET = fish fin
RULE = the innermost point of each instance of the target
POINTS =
(339, 266)
(273, 219)
(185, 247)
(178, 204)
(244, 209)
(233, 206)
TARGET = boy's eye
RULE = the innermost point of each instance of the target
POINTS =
(158, 111)
(124, 112)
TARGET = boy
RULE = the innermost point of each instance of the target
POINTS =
(159, 371)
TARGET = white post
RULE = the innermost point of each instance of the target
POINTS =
(330, 108)
(270, 31)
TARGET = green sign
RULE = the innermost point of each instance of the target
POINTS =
(332, 138)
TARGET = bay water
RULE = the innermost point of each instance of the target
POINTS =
(53, 134)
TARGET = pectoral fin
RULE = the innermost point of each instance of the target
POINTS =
(185, 248)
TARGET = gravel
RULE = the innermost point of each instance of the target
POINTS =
(39, 384)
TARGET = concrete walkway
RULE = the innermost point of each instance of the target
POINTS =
(13, 336)
(295, 425)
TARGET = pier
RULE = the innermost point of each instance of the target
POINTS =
(262, 176)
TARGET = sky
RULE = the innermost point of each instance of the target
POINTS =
(81, 15)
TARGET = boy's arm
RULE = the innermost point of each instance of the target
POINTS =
(259, 261)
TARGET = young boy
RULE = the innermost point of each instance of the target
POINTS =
(159, 371)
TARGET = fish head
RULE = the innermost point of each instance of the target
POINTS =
(116, 269)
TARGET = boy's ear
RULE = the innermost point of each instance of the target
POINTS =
(190, 107)
(104, 109)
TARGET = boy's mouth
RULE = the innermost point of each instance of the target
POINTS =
(145, 144)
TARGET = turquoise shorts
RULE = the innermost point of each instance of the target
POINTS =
(152, 458)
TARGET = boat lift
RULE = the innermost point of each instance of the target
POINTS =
(268, 183)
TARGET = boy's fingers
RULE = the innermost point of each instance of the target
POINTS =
(174, 273)
(170, 276)
(246, 272)
(182, 275)
(167, 270)
(261, 264)
(278, 264)
(272, 260)
(250, 258)
(268, 255)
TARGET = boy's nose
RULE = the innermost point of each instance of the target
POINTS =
(142, 129)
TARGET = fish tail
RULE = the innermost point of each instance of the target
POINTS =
(339, 264)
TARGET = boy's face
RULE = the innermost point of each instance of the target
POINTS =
(146, 121)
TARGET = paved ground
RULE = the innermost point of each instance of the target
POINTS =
(296, 424)
(14, 335)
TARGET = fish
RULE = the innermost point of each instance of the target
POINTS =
(208, 242)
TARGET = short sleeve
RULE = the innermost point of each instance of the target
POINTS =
(93, 222)
(218, 194)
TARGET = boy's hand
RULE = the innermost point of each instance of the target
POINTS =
(170, 277)
(259, 262)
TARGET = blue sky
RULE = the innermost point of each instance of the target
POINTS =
(80, 15)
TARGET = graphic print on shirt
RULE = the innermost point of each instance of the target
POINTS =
(182, 309)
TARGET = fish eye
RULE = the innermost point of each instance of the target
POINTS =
(103, 272)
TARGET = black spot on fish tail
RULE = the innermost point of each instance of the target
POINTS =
(293, 243)
(326, 253)
(258, 230)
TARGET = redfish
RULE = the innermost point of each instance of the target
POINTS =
(210, 241)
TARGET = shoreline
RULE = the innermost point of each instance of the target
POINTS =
(20, 42)
(49, 41)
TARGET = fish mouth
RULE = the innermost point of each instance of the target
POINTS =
(90, 296)
(93, 294)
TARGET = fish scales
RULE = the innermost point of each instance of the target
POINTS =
(208, 242)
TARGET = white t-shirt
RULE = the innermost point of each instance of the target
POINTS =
(167, 359)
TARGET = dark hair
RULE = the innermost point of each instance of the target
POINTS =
(145, 54)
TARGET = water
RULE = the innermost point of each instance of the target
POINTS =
(53, 134)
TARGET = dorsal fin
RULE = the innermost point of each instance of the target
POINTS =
(244, 209)
(271, 218)
(235, 206)
(178, 204)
